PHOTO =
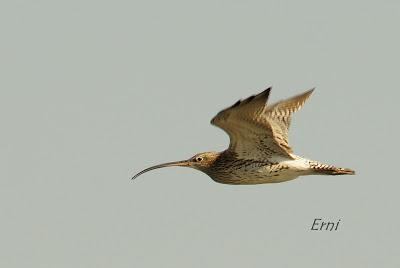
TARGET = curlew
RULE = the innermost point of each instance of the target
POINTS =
(259, 151)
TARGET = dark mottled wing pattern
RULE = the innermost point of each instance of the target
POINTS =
(257, 131)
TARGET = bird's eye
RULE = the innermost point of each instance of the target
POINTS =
(199, 159)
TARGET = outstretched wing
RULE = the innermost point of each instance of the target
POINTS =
(258, 131)
(279, 116)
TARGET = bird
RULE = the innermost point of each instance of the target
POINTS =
(259, 150)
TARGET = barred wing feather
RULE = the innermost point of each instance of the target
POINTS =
(258, 131)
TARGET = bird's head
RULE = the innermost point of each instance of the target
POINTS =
(201, 161)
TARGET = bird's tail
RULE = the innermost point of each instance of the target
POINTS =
(319, 168)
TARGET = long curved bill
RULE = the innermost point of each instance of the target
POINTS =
(183, 163)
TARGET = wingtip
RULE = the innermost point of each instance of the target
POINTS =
(305, 95)
(264, 94)
(266, 91)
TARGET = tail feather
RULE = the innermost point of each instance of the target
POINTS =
(320, 168)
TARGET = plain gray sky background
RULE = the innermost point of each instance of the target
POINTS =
(94, 91)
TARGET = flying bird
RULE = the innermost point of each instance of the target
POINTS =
(259, 150)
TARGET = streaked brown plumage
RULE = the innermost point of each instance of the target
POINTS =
(259, 150)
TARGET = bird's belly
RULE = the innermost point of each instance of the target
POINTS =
(265, 174)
